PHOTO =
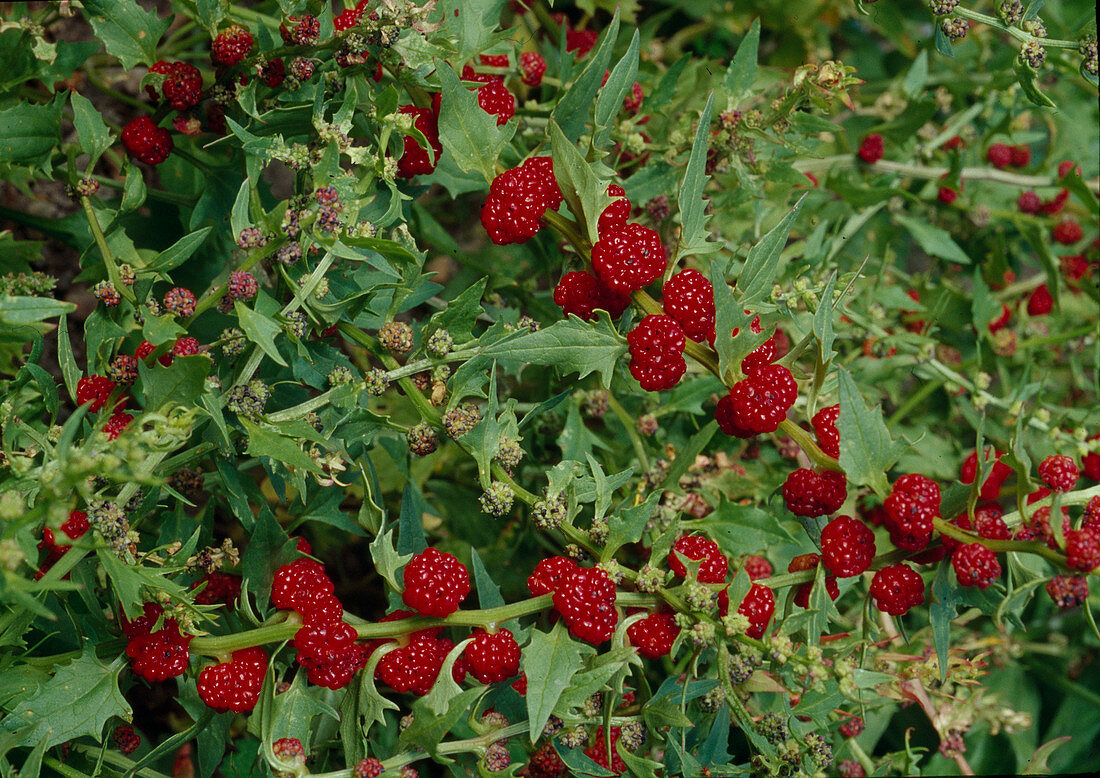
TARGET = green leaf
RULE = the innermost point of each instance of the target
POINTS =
(730, 316)
(79, 700)
(210, 12)
(984, 307)
(1026, 76)
(585, 194)
(386, 559)
(614, 91)
(575, 107)
(29, 133)
(269, 548)
(944, 605)
(30, 309)
(550, 660)
(742, 70)
(468, 135)
(866, 449)
(471, 23)
(573, 346)
(269, 442)
(823, 321)
(129, 32)
(762, 263)
(628, 524)
(429, 728)
(94, 136)
(685, 457)
(693, 219)
(239, 217)
(261, 330)
(180, 251)
(744, 529)
(179, 383)
(460, 315)
(293, 711)
(934, 240)
(1037, 765)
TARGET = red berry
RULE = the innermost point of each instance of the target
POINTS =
(655, 634)
(759, 357)
(1067, 232)
(802, 594)
(630, 258)
(947, 195)
(146, 142)
(368, 768)
(415, 664)
(896, 589)
(810, 493)
(415, 160)
(517, 200)
(1083, 548)
(824, 424)
(1040, 302)
(94, 390)
(1060, 473)
(548, 574)
(218, 589)
(76, 525)
(1000, 472)
(347, 19)
(975, 565)
(1002, 319)
(761, 400)
(757, 567)
(580, 41)
(657, 352)
(294, 583)
(495, 99)
(329, 654)
(852, 727)
(185, 347)
(598, 752)
(231, 46)
(545, 763)
(1029, 202)
(126, 739)
(688, 297)
(290, 750)
(847, 546)
(614, 216)
(234, 685)
(182, 84)
(180, 301)
(633, 101)
(871, 148)
(1068, 591)
(435, 583)
(1074, 267)
(585, 598)
(910, 510)
(160, 655)
(713, 565)
(115, 425)
(728, 420)
(1055, 204)
(1021, 155)
(533, 66)
(303, 30)
(999, 155)
(492, 656)
(494, 60)
(580, 294)
(758, 607)
(989, 524)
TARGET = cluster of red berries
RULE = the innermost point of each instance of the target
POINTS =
(493, 96)
(871, 148)
(802, 593)
(95, 391)
(911, 509)
(517, 200)
(416, 159)
(73, 528)
(156, 654)
(657, 352)
(814, 493)
(757, 403)
(581, 294)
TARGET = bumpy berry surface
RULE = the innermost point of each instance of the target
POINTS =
(728, 419)
(146, 142)
(655, 634)
(160, 655)
(597, 752)
(368, 768)
(94, 391)
(758, 607)
(1083, 548)
(580, 294)
(999, 155)
(759, 357)
(824, 424)
(688, 297)
(218, 589)
(851, 727)
(1060, 473)
(517, 200)
(182, 85)
(235, 685)
(761, 400)
(896, 589)
(533, 66)
(416, 160)
(871, 148)
(713, 565)
(585, 598)
(548, 574)
(1021, 155)
(538, 175)
(492, 656)
(1040, 302)
(657, 352)
(1029, 202)
(614, 216)
(435, 583)
(975, 565)
(810, 562)
(289, 749)
(296, 582)
(302, 31)
(231, 46)
(495, 99)
(1067, 232)
(998, 474)
(847, 546)
(911, 508)
(1068, 591)
(810, 493)
(757, 567)
(630, 258)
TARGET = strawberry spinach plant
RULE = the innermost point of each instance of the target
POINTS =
(530, 388)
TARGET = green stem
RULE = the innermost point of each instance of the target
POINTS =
(428, 412)
(1015, 32)
(808, 445)
(915, 399)
(105, 250)
(1037, 547)
(631, 430)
